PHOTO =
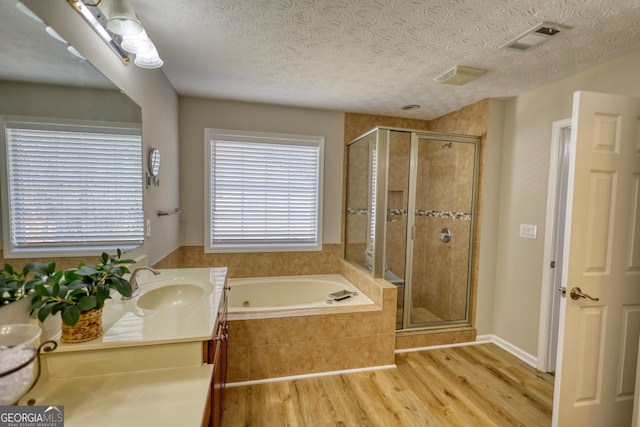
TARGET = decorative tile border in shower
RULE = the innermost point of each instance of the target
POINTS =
(445, 214)
(397, 212)
(403, 212)
(356, 211)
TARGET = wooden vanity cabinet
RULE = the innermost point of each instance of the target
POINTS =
(215, 353)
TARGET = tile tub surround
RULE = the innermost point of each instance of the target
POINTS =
(315, 340)
(259, 264)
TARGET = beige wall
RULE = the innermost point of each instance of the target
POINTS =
(197, 114)
(151, 90)
(523, 195)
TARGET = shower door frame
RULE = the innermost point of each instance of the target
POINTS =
(416, 136)
(383, 137)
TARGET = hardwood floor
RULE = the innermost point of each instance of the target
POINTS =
(477, 385)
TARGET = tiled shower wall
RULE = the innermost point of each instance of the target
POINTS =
(443, 199)
(398, 199)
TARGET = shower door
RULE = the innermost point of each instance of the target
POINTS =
(440, 241)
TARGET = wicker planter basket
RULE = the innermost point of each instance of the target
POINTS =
(89, 327)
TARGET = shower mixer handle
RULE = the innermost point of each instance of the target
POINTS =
(445, 235)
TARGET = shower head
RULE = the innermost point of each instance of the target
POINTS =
(447, 145)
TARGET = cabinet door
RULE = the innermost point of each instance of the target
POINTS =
(216, 386)
(217, 356)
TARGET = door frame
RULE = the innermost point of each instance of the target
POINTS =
(549, 295)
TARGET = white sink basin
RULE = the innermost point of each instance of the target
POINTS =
(171, 296)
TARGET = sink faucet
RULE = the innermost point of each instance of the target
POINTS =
(134, 281)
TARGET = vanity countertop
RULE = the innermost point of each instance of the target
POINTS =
(168, 397)
(125, 324)
(147, 368)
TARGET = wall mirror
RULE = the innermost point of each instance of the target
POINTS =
(41, 77)
(154, 162)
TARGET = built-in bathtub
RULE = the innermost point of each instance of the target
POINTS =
(269, 294)
(296, 332)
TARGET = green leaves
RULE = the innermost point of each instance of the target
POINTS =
(122, 286)
(70, 315)
(87, 302)
(69, 292)
(16, 285)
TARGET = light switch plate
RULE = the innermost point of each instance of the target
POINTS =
(528, 231)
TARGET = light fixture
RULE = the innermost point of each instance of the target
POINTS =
(535, 36)
(75, 52)
(53, 33)
(24, 9)
(121, 30)
(149, 60)
(122, 20)
(139, 44)
(105, 35)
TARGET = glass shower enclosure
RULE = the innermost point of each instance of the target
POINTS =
(410, 210)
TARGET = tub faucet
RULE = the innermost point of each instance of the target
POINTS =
(134, 281)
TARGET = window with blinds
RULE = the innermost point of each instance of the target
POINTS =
(71, 189)
(263, 192)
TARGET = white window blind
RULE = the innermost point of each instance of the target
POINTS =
(72, 188)
(265, 192)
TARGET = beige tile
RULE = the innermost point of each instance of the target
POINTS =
(269, 361)
(237, 363)
(435, 337)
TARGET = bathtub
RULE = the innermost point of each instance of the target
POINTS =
(263, 294)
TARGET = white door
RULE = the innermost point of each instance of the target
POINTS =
(598, 340)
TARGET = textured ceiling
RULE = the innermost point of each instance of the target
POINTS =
(367, 56)
(375, 56)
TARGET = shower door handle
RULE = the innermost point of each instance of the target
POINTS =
(445, 235)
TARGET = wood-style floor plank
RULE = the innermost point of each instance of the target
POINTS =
(477, 385)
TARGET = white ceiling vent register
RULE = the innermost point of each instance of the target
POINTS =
(535, 36)
(460, 75)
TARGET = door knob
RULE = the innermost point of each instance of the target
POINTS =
(576, 293)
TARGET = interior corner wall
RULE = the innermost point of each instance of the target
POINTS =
(151, 90)
(485, 298)
(523, 192)
(196, 114)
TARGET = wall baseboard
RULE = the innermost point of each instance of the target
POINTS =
(507, 346)
(314, 375)
(483, 339)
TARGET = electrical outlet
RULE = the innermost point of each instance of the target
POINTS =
(148, 228)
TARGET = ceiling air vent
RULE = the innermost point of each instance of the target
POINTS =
(460, 75)
(535, 36)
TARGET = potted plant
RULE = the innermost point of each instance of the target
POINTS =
(79, 295)
(16, 285)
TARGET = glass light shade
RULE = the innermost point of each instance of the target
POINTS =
(140, 44)
(122, 19)
(55, 35)
(24, 9)
(75, 52)
(149, 60)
